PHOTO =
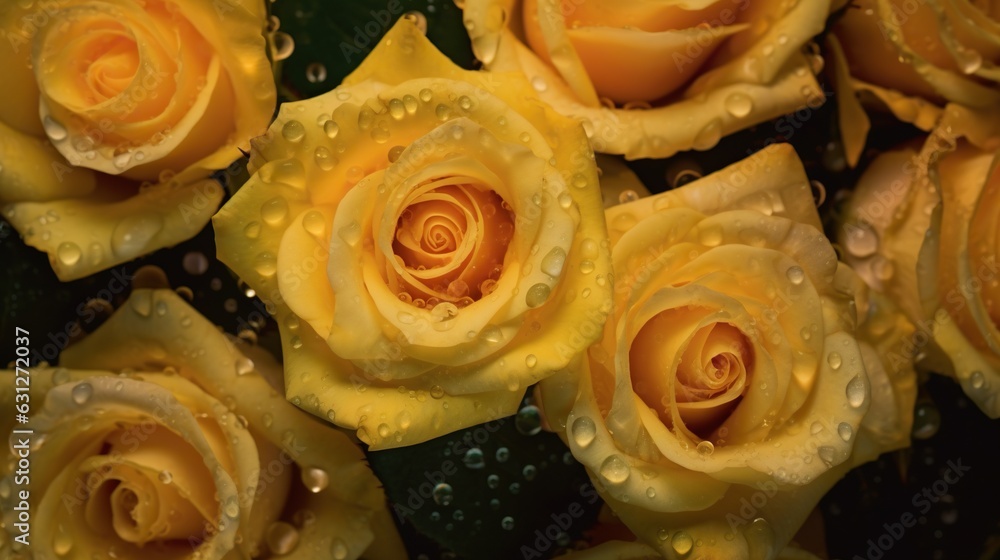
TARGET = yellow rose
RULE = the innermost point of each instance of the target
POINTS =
(114, 115)
(921, 228)
(914, 57)
(729, 370)
(158, 437)
(649, 79)
(430, 241)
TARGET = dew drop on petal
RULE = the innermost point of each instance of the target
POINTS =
(293, 131)
(856, 392)
(615, 470)
(339, 549)
(861, 240)
(69, 253)
(281, 538)
(131, 236)
(583, 431)
(705, 448)
(315, 479)
(682, 543)
(834, 359)
(81, 393)
(739, 104)
(845, 431)
(795, 275)
(552, 263)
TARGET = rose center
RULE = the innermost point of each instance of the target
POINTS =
(451, 241)
(111, 64)
(701, 387)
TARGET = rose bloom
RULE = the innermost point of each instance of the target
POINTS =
(115, 113)
(922, 229)
(159, 438)
(430, 241)
(914, 57)
(729, 391)
(649, 79)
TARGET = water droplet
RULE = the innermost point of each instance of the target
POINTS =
(705, 448)
(418, 19)
(795, 275)
(274, 211)
(232, 508)
(529, 472)
(195, 263)
(708, 136)
(81, 393)
(293, 131)
(531, 360)
(281, 538)
(474, 458)
(324, 158)
(442, 494)
(584, 431)
(861, 240)
(537, 294)
(69, 253)
(315, 479)
(132, 235)
(437, 392)
(507, 523)
(316, 73)
(682, 543)
(552, 263)
(165, 477)
(351, 233)
(54, 129)
(845, 431)
(816, 428)
(493, 481)
(827, 454)
(528, 420)
(856, 392)
(739, 105)
(339, 549)
(926, 420)
(502, 455)
(266, 264)
(834, 359)
(283, 45)
(331, 129)
(977, 379)
(614, 470)
(62, 544)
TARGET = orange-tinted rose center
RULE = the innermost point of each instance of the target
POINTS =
(708, 380)
(451, 241)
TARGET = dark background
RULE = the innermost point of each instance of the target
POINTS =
(964, 524)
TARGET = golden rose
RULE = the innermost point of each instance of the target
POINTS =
(914, 57)
(158, 437)
(114, 115)
(430, 240)
(649, 79)
(729, 370)
(921, 228)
